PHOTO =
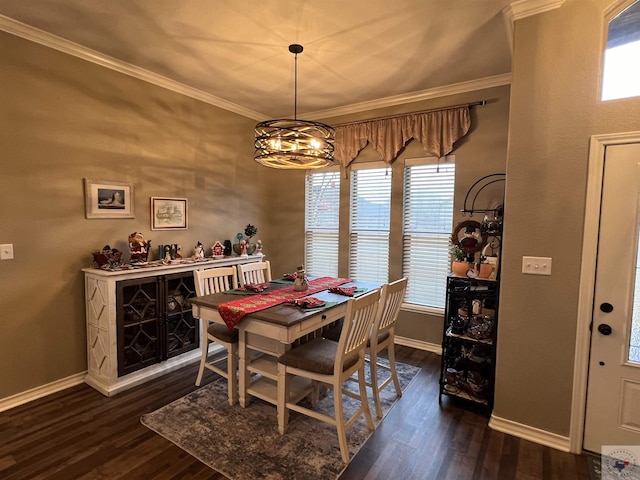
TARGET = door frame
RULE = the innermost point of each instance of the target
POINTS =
(597, 151)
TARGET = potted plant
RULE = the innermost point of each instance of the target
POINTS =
(459, 266)
(484, 268)
(249, 232)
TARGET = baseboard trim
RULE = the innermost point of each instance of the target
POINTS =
(41, 391)
(146, 374)
(128, 381)
(418, 344)
(532, 434)
(73, 380)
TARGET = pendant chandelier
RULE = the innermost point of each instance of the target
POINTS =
(291, 143)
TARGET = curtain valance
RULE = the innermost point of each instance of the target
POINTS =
(437, 130)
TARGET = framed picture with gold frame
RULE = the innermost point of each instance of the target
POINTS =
(106, 199)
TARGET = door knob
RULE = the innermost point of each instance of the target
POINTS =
(606, 307)
(604, 329)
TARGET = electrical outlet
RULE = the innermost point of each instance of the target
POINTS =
(6, 251)
(536, 265)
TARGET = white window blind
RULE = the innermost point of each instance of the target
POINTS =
(369, 223)
(322, 208)
(427, 225)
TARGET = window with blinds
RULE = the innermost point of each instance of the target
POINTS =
(427, 225)
(369, 223)
(322, 208)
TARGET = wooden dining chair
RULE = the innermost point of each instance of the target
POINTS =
(332, 363)
(382, 338)
(215, 280)
(256, 272)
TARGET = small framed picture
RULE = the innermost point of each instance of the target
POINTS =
(105, 199)
(168, 213)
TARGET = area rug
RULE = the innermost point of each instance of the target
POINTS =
(244, 443)
(594, 465)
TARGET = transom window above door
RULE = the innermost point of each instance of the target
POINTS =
(621, 73)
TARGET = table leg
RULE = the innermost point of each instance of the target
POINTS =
(244, 374)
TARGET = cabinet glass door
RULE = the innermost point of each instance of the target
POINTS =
(181, 327)
(138, 325)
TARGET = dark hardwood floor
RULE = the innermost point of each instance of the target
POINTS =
(80, 434)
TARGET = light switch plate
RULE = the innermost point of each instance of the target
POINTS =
(6, 251)
(536, 265)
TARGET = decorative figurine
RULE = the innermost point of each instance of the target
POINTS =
(166, 258)
(138, 248)
(300, 284)
(227, 248)
(217, 250)
(236, 246)
(108, 257)
(469, 243)
(178, 251)
(243, 248)
(258, 247)
(199, 251)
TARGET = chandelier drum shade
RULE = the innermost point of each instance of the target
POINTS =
(290, 143)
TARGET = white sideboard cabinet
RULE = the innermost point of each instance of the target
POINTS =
(139, 322)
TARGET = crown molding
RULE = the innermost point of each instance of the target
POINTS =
(453, 89)
(526, 8)
(41, 37)
(507, 19)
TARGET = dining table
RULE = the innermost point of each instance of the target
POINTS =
(266, 333)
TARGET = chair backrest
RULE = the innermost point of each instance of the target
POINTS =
(391, 298)
(257, 272)
(215, 280)
(361, 312)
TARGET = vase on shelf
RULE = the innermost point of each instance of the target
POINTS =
(459, 269)
(485, 270)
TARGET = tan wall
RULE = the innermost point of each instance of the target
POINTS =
(555, 108)
(63, 119)
(481, 152)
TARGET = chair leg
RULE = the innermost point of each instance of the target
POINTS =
(232, 373)
(315, 393)
(204, 346)
(363, 398)
(282, 398)
(394, 373)
(373, 367)
(340, 426)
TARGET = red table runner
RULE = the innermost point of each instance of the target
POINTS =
(232, 312)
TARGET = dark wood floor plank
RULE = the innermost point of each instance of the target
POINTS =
(530, 465)
(82, 435)
(488, 460)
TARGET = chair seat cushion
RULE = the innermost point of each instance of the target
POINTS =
(317, 355)
(224, 333)
(381, 338)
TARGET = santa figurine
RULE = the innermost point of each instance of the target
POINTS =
(138, 247)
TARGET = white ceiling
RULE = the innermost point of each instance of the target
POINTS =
(235, 52)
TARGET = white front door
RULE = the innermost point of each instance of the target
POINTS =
(613, 395)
